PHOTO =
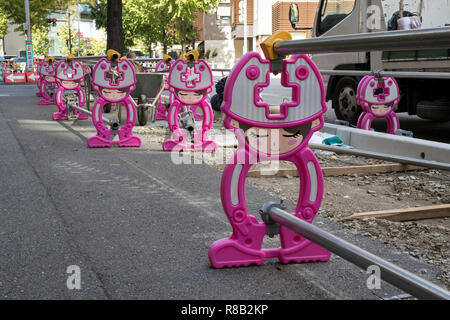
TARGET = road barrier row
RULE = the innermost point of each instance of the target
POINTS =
(264, 133)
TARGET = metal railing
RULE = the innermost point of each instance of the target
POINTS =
(402, 279)
(377, 41)
(382, 73)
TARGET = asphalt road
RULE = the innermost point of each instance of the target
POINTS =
(137, 225)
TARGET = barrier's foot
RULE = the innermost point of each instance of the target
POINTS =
(59, 116)
(98, 142)
(132, 141)
(45, 102)
(227, 253)
(174, 145)
(306, 251)
(82, 116)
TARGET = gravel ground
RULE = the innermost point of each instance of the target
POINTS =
(345, 195)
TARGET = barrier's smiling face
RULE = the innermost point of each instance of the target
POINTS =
(69, 84)
(190, 97)
(380, 109)
(113, 94)
(276, 141)
(273, 141)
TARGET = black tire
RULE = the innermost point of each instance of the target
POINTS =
(438, 110)
(344, 100)
(142, 116)
(107, 108)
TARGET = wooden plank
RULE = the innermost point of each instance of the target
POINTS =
(408, 214)
(369, 169)
(337, 171)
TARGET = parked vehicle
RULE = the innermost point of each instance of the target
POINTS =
(428, 98)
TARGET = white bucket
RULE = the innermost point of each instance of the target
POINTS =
(404, 23)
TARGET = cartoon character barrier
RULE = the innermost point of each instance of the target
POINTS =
(114, 79)
(164, 66)
(70, 75)
(190, 83)
(48, 81)
(378, 98)
(270, 133)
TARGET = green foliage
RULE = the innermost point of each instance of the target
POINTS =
(148, 22)
(96, 47)
(182, 15)
(99, 13)
(41, 43)
(3, 24)
(39, 10)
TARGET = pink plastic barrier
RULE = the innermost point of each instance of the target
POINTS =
(190, 86)
(378, 98)
(114, 81)
(70, 75)
(266, 133)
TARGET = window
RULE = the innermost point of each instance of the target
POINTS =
(332, 12)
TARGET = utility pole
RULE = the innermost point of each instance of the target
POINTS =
(28, 42)
(70, 33)
(79, 34)
(244, 49)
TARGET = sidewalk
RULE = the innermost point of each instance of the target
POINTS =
(138, 226)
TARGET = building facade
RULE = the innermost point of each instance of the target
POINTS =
(221, 32)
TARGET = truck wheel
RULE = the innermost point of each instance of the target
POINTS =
(437, 110)
(344, 100)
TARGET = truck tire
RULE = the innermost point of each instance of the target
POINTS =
(344, 100)
(437, 110)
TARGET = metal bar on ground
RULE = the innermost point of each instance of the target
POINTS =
(113, 123)
(381, 73)
(402, 279)
(387, 147)
(383, 156)
(430, 38)
(103, 56)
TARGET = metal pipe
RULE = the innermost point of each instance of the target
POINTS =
(361, 73)
(103, 56)
(390, 273)
(384, 156)
(431, 38)
(396, 74)
(113, 123)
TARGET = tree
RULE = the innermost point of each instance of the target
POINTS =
(41, 43)
(153, 21)
(3, 27)
(39, 11)
(114, 27)
(146, 23)
(93, 47)
(182, 13)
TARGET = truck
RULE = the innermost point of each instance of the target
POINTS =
(426, 98)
